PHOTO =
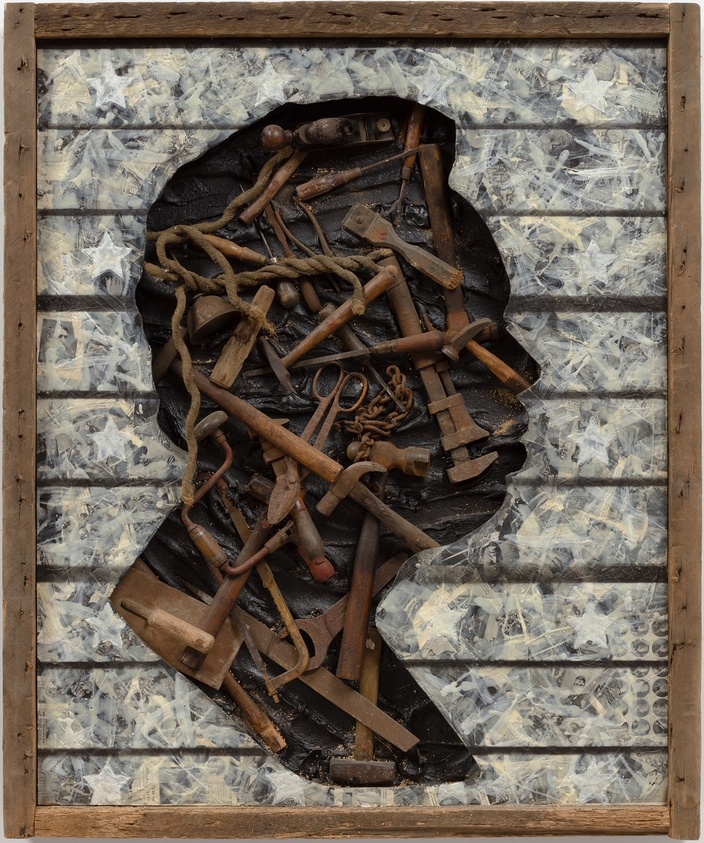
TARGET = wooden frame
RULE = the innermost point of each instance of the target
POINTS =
(27, 26)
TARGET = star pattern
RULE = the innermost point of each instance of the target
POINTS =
(593, 264)
(107, 256)
(107, 786)
(589, 92)
(589, 628)
(109, 89)
(270, 85)
(593, 443)
(110, 442)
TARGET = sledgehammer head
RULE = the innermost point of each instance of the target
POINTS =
(343, 484)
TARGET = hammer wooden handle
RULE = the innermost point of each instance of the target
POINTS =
(359, 603)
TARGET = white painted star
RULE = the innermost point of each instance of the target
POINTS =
(437, 619)
(592, 264)
(107, 786)
(109, 443)
(589, 627)
(107, 256)
(270, 85)
(109, 88)
(593, 443)
(589, 92)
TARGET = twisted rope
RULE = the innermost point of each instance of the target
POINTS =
(171, 270)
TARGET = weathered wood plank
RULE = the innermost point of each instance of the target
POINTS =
(19, 425)
(364, 19)
(684, 422)
(217, 823)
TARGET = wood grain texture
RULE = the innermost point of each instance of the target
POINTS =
(323, 19)
(217, 823)
(684, 420)
(19, 425)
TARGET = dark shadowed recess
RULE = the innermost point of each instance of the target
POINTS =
(314, 728)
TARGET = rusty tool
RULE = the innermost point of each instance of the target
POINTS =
(307, 538)
(344, 396)
(254, 714)
(308, 456)
(226, 596)
(313, 303)
(269, 582)
(442, 231)
(379, 284)
(208, 315)
(281, 537)
(278, 180)
(206, 543)
(286, 291)
(414, 130)
(348, 130)
(234, 251)
(446, 342)
(346, 482)
(166, 356)
(276, 365)
(323, 629)
(359, 604)
(372, 227)
(141, 582)
(363, 769)
(458, 428)
(238, 347)
(163, 621)
(412, 460)
(141, 586)
(325, 184)
(333, 689)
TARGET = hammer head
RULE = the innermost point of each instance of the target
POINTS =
(457, 341)
(343, 484)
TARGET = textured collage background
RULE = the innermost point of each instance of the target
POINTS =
(542, 637)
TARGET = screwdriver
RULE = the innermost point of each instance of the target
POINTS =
(326, 183)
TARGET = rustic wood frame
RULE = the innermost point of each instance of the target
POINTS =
(26, 26)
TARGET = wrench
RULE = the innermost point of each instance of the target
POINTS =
(321, 630)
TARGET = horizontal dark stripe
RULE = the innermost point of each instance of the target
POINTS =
(562, 125)
(94, 394)
(575, 663)
(580, 304)
(82, 304)
(88, 482)
(103, 752)
(588, 482)
(549, 394)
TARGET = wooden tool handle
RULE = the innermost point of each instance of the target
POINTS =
(282, 175)
(166, 622)
(326, 183)
(359, 603)
(379, 284)
(232, 250)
